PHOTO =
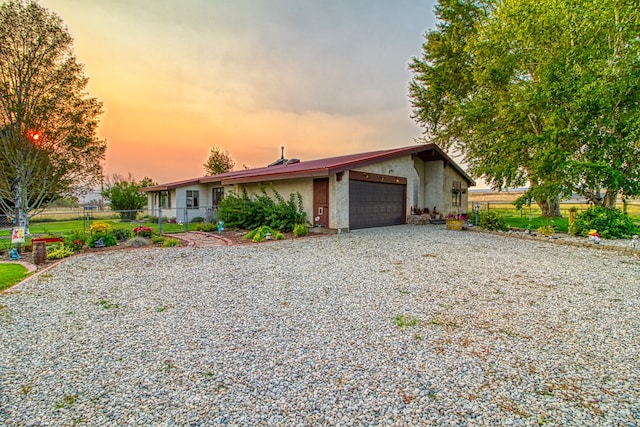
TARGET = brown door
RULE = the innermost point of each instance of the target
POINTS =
(320, 202)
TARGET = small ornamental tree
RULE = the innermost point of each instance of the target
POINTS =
(219, 161)
(124, 195)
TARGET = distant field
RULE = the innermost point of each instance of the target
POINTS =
(506, 197)
(504, 200)
(530, 216)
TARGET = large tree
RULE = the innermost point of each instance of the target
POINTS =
(219, 161)
(541, 92)
(48, 143)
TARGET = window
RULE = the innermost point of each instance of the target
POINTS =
(456, 193)
(456, 199)
(216, 196)
(165, 199)
(193, 199)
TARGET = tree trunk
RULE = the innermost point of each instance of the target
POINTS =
(550, 207)
(609, 200)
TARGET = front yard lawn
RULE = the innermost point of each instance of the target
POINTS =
(10, 274)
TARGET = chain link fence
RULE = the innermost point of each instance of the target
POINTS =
(66, 221)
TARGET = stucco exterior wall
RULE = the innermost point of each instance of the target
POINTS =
(153, 204)
(418, 195)
(437, 187)
(339, 202)
(180, 202)
(450, 175)
(433, 185)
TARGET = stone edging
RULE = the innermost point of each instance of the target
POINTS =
(32, 268)
(590, 245)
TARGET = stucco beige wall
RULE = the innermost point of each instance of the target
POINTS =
(433, 186)
(339, 202)
(451, 175)
(437, 187)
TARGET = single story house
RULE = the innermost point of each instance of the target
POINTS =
(372, 189)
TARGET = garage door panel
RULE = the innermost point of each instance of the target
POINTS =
(374, 204)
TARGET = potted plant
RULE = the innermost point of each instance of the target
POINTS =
(455, 222)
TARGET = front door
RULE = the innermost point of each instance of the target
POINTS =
(321, 202)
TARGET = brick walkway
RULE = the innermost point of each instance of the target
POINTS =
(201, 239)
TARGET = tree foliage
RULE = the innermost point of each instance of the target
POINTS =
(219, 161)
(48, 143)
(537, 92)
(124, 194)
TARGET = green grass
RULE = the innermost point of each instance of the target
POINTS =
(531, 217)
(65, 227)
(62, 228)
(514, 220)
(10, 274)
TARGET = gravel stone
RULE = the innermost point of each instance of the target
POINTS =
(405, 325)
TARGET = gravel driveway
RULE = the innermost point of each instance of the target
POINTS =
(406, 325)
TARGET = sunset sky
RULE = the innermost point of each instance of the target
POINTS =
(177, 77)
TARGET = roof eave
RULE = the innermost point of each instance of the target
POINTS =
(314, 173)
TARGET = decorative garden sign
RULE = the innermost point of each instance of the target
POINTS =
(17, 235)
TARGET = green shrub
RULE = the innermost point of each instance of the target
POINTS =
(546, 230)
(169, 243)
(59, 252)
(197, 219)
(121, 234)
(156, 239)
(242, 211)
(492, 220)
(76, 245)
(260, 234)
(107, 239)
(78, 235)
(610, 223)
(300, 230)
(76, 239)
(206, 226)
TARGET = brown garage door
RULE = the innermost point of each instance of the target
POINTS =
(375, 204)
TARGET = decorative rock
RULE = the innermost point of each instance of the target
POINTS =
(304, 332)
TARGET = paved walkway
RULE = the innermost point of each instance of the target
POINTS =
(201, 239)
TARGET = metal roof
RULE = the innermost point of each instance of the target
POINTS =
(318, 168)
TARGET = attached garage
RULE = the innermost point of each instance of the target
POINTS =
(376, 200)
